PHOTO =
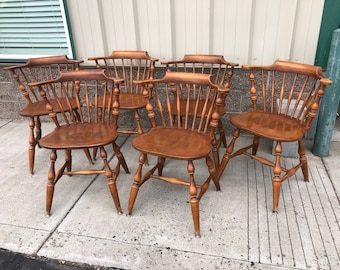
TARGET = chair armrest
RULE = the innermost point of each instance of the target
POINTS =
(169, 62)
(99, 58)
(143, 81)
(326, 81)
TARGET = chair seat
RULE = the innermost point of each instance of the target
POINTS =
(77, 136)
(192, 106)
(39, 108)
(128, 101)
(272, 126)
(173, 143)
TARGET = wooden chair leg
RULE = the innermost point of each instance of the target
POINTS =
(194, 202)
(222, 139)
(212, 175)
(161, 162)
(140, 130)
(120, 157)
(136, 184)
(68, 160)
(51, 182)
(88, 156)
(227, 156)
(212, 172)
(276, 193)
(303, 161)
(215, 154)
(137, 118)
(37, 129)
(31, 145)
(256, 142)
(276, 179)
(111, 180)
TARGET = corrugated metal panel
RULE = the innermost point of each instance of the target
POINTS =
(244, 31)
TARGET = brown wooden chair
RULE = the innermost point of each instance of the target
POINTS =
(215, 65)
(285, 98)
(39, 69)
(131, 66)
(179, 136)
(92, 127)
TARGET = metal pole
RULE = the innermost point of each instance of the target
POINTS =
(330, 101)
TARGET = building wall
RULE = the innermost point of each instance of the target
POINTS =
(244, 31)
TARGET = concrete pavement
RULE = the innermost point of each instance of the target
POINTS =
(238, 229)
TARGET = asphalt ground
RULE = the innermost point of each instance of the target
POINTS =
(17, 261)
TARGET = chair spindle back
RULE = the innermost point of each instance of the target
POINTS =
(194, 88)
(88, 85)
(293, 90)
(40, 69)
(130, 66)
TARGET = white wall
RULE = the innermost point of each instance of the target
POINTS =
(244, 31)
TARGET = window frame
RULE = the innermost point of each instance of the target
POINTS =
(13, 58)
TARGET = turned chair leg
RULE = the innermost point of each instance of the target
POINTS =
(222, 139)
(137, 118)
(37, 129)
(227, 156)
(136, 183)
(120, 157)
(276, 179)
(160, 162)
(194, 202)
(88, 156)
(51, 182)
(111, 180)
(303, 161)
(212, 171)
(32, 141)
(256, 142)
(140, 130)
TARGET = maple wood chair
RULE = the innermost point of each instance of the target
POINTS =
(92, 127)
(131, 66)
(285, 98)
(179, 136)
(215, 65)
(39, 69)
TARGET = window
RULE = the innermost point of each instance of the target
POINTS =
(33, 29)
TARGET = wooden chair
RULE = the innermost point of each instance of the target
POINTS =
(215, 65)
(92, 127)
(131, 66)
(39, 69)
(179, 136)
(285, 98)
